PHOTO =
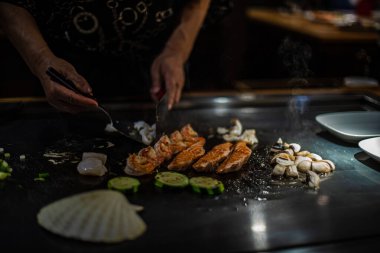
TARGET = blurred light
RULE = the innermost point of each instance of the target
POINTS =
(221, 100)
(259, 228)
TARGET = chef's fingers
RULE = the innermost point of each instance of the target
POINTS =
(79, 81)
(69, 100)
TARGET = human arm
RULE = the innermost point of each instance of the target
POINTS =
(167, 70)
(22, 31)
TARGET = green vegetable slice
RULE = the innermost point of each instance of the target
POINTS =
(171, 179)
(124, 184)
(208, 185)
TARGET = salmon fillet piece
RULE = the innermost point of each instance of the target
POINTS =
(143, 163)
(238, 157)
(189, 134)
(213, 158)
(188, 156)
(162, 148)
(177, 142)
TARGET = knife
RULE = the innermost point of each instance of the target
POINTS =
(124, 128)
(161, 115)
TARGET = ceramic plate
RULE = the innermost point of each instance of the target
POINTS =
(351, 126)
(371, 147)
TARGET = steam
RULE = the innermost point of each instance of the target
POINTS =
(296, 57)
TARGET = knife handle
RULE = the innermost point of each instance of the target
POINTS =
(60, 79)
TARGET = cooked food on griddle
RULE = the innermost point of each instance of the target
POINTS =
(188, 156)
(289, 161)
(149, 158)
(96, 216)
(163, 147)
(147, 132)
(177, 142)
(238, 157)
(92, 164)
(213, 158)
(142, 163)
(235, 133)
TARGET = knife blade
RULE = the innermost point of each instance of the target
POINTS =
(124, 128)
(161, 115)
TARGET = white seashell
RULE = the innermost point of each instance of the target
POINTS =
(295, 146)
(96, 216)
(100, 156)
(314, 157)
(291, 171)
(312, 179)
(320, 167)
(92, 167)
(278, 170)
(304, 166)
(301, 158)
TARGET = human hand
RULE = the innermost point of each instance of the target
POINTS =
(168, 74)
(59, 96)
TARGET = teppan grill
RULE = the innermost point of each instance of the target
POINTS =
(254, 213)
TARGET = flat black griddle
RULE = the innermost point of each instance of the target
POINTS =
(255, 213)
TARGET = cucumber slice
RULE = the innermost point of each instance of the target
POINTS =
(209, 185)
(171, 179)
(124, 184)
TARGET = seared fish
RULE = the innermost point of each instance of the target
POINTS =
(188, 156)
(238, 157)
(189, 135)
(213, 158)
(142, 163)
(177, 142)
(162, 148)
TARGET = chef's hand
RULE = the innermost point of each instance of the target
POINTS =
(59, 96)
(168, 74)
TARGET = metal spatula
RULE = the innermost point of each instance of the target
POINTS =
(124, 128)
(161, 115)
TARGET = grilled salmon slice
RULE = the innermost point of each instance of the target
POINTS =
(213, 158)
(162, 148)
(188, 156)
(143, 163)
(238, 157)
(177, 142)
(189, 135)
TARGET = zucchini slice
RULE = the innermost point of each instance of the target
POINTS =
(171, 179)
(208, 185)
(124, 184)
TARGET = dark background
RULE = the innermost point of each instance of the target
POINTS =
(237, 48)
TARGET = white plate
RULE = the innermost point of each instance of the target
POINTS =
(351, 126)
(371, 147)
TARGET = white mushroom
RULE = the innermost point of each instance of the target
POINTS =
(295, 146)
(278, 170)
(312, 179)
(304, 166)
(314, 157)
(291, 171)
(301, 158)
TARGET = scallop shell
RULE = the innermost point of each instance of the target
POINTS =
(96, 216)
